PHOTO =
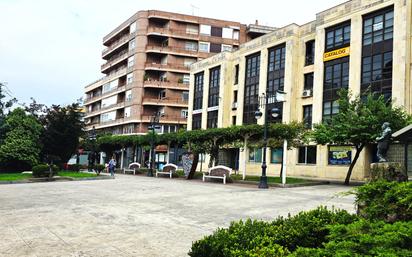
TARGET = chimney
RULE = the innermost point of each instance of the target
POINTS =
(256, 22)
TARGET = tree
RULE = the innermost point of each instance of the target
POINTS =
(5, 105)
(62, 129)
(20, 149)
(358, 123)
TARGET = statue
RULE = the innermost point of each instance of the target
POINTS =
(383, 142)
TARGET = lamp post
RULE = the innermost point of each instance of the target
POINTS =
(154, 124)
(264, 101)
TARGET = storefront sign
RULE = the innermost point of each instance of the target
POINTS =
(335, 54)
(340, 155)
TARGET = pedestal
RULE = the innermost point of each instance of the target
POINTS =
(390, 171)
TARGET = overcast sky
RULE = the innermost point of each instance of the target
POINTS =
(50, 49)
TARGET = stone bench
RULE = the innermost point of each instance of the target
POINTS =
(219, 172)
(132, 168)
(168, 169)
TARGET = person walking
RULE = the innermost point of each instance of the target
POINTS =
(112, 166)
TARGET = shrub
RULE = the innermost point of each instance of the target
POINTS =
(43, 170)
(74, 167)
(99, 167)
(307, 229)
(365, 238)
(389, 201)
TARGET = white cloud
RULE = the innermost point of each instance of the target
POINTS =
(50, 50)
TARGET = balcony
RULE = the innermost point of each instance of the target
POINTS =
(167, 67)
(123, 55)
(171, 50)
(102, 109)
(166, 119)
(117, 44)
(177, 102)
(167, 32)
(165, 84)
(98, 97)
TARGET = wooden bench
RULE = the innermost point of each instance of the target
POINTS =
(168, 169)
(132, 168)
(219, 172)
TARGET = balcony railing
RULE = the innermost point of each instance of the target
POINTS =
(165, 118)
(172, 32)
(172, 49)
(115, 60)
(165, 84)
(167, 66)
(102, 109)
(164, 101)
(116, 90)
(119, 42)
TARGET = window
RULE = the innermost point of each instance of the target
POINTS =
(336, 77)
(214, 84)
(212, 119)
(191, 46)
(255, 155)
(338, 36)
(310, 52)
(236, 74)
(378, 27)
(307, 116)
(130, 61)
(162, 94)
(377, 52)
(250, 102)
(127, 112)
(110, 86)
(340, 155)
(236, 34)
(187, 62)
(109, 101)
(192, 29)
(205, 29)
(204, 47)
(308, 81)
(184, 113)
(216, 32)
(198, 91)
(185, 96)
(276, 155)
(128, 95)
(226, 48)
(129, 78)
(196, 121)
(133, 27)
(307, 155)
(233, 120)
(128, 129)
(215, 48)
(276, 74)
(186, 79)
(227, 33)
(108, 116)
(132, 44)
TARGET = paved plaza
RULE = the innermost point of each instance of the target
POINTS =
(136, 215)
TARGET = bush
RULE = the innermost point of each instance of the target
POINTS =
(389, 201)
(365, 238)
(43, 170)
(74, 167)
(276, 238)
(99, 167)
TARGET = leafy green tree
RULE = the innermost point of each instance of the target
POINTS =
(20, 149)
(5, 104)
(62, 129)
(358, 123)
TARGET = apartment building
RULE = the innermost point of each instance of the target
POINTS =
(353, 45)
(147, 60)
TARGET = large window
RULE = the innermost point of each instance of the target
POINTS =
(250, 104)
(276, 155)
(308, 83)
(236, 74)
(215, 48)
(255, 155)
(212, 119)
(377, 52)
(307, 155)
(307, 116)
(336, 77)
(276, 76)
(310, 52)
(214, 78)
(196, 121)
(198, 91)
(337, 36)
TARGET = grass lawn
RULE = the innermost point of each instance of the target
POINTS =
(13, 176)
(273, 180)
(73, 174)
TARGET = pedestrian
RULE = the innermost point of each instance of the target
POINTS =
(112, 166)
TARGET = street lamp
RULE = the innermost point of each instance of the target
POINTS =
(154, 124)
(264, 101)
